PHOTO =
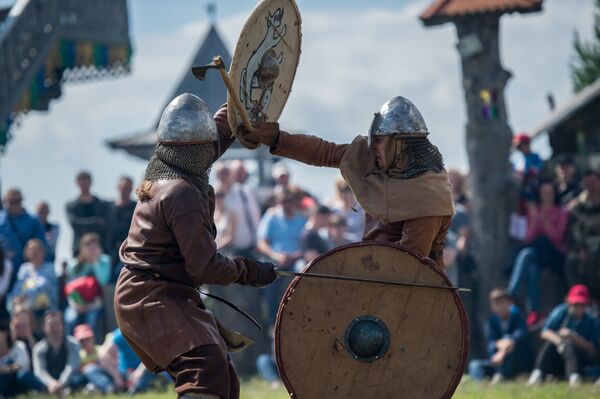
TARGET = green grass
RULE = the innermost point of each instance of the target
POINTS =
(256, 389)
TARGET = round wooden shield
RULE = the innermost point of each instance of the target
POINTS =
(344, 339)
(265, 60)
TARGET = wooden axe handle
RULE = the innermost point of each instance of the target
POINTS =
(233, 93)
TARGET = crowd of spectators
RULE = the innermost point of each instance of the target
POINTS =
(56, 332)
(58, 336)
(52, 314)
(552, 333)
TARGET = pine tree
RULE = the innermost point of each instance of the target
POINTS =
(585, 68)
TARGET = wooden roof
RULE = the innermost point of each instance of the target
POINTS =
(212, 90)
(584, 100)
(442, 11)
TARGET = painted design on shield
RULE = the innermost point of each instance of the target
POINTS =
(257, 78)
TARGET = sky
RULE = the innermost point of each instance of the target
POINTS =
(355, 56)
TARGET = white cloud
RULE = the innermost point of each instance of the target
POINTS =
(352, 61)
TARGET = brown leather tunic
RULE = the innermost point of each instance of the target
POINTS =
(424, 236)
(172, 235)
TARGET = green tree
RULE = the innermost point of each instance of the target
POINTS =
(585, 68)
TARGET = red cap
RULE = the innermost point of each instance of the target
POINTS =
(578, 294)
(521, 138)
(83, 331)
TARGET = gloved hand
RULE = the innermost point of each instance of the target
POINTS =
(265, 273)
(265, 133)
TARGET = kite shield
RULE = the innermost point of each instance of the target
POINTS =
(348, 339)
(265, 60)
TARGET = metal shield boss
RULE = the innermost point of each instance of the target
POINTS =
(265, 60)
(347, 339)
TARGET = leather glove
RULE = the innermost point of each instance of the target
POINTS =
(266, 133)
(265, 274)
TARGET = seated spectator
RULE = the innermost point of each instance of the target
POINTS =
(36, 282)
(337, 231)
(311, 242)
(121, 362)
(16, 377)
(584, 236)
(345, 205)
(225, 221)
(22, 328)
(56, 357)
(545, 247)
(507, 344)
(98, 379)
(568, 184)
(267, 367)
(571, 339)
(86, 275)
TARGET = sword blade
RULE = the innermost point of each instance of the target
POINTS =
(282, 273)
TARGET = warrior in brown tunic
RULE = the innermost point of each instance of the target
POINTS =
(396, 174)
(171, 250)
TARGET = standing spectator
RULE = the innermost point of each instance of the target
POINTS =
(36, 282)
(17, 227)
(546, 247)
(507, 343)
(121, 212)
(336, 233)
(279, 239)
(16, 377)
(528, 166)
(86, 275)
(567, 178)
(345, 205)
(87, 213)
(6, 268)
(242, 202)
(281, 175)
(225, 221)
(530, 162)
(459, 190)
(571, 339)
(56, 357)
(312, 243)
(223, 175)
(51, 230)
(98, 379)
(583, 259)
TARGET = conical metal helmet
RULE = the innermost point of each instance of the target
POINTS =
(187, 120)
(400, 118)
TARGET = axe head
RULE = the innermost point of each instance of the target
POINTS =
(200, 71)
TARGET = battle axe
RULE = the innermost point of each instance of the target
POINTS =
(218, 63)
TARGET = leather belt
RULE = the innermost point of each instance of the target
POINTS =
(213, 296)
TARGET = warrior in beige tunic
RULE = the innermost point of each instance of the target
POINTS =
(396, 174)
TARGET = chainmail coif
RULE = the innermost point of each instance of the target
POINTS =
(421, 157)
(189, 162)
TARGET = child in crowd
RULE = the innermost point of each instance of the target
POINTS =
(98, 379)
(507, 341)
(571, 339)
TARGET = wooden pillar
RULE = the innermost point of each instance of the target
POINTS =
(488, 140)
